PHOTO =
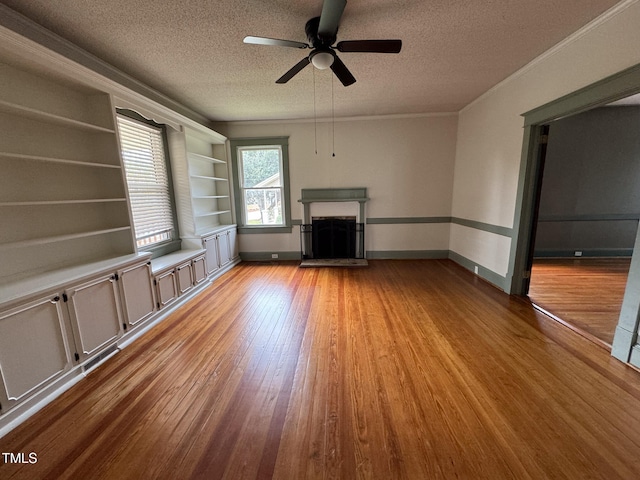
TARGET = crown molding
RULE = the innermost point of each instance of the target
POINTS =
(396, 116)
(50, 51)
(589, 27)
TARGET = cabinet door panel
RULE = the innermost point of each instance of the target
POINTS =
(233, 243)
(224, 248)
(33, 347)
(167, 288)
(137, 292)
(95, 313)
(185, 277)
(211, 247)
(199, 269)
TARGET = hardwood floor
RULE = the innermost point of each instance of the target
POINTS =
(586, 293)
(403, 370)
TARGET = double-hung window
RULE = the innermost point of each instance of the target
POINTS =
(148, 174)
(261, 175)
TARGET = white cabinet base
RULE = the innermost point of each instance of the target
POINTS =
(95, 313)
(34, 348)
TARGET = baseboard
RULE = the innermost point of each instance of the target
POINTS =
(593, 252)
(483, 272)
(407, 254)
(268, 256)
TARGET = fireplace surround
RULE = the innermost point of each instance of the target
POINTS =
(326, 232)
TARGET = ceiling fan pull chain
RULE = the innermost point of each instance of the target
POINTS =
(333, 122)
(315, 114)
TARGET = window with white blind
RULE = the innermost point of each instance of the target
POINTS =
(147, 170)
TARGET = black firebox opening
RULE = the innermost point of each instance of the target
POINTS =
(334, 237)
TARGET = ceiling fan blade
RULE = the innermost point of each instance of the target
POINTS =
(342, 72)
(274, 42)
(371, 46)
(294, 70)
(330, 18)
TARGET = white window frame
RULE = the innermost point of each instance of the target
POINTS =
(237, 146)
(152, 182)
(279, 188)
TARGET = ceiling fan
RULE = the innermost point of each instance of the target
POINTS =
(321, 32)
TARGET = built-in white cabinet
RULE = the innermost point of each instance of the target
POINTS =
(178, 273)
(224, 248)
(210, 191)
(200, 167)
(167, 287)
(34, 347)
(199, 269)
(138, 294)
(73, 286)
(51, 324)
(233, 243)
(212, 256)
(96, 318)
(62, 193)
(209, 182)
(221, 248)
(184, 276)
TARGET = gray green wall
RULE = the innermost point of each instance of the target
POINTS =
(590, 198)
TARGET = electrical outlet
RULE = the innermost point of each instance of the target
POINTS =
(577, 253)
(475, 269)
(274, 255)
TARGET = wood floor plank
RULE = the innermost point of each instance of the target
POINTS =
(586, 293)
(404, 369)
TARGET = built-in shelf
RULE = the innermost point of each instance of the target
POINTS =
(59, 238)
(205, 158)
(61, 161)
(63, 197)
(209, 214)
(61, 202)
(35, 114)
(206, 177)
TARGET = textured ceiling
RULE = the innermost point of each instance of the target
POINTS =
(192, 51)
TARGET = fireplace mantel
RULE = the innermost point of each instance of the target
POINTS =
(311, 195)
(314, 195)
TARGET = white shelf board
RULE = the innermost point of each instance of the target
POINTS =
(206, 177)
(60, 238)
(198, 156)
(39, 158)
(210, 214)
(61, 202)
(35, 114)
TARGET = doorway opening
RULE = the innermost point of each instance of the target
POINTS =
(608, 91)
(587, 217)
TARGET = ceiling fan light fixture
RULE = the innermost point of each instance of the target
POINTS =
(322, 59)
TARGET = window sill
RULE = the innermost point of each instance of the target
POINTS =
(162, 249)
(250, 230)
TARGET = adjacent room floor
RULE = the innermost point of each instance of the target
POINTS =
(400, 370)
(584, 293)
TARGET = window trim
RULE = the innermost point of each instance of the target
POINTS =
(283, 143)
(161, 248)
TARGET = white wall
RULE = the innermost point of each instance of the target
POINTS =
(406, 163)
(490, 130)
